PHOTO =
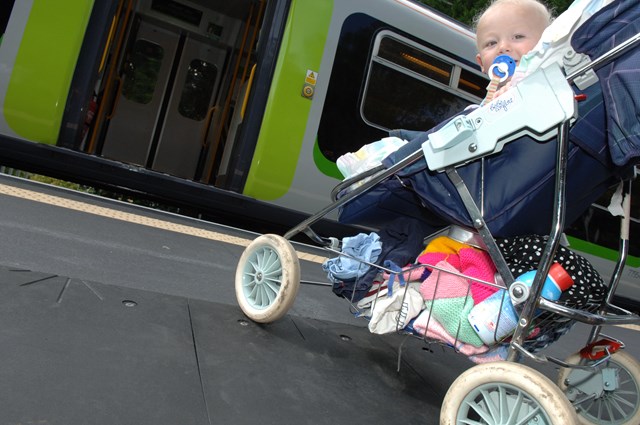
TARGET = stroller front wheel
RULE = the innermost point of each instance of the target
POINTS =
(505, 392)
(267, 278)
(619, 405)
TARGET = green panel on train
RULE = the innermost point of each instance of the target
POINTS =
(285, 118)
(46, 59)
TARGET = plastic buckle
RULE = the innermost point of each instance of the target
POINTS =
(452, 133)
(599, 349)
(580, 97)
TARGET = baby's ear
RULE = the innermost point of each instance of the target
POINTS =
(479, 60)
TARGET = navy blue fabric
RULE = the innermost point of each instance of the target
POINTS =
(386, 202)
(620, 79)
(519, 181)
(402, 239)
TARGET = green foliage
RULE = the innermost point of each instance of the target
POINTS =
(558, 6)
(465, 10)
(60, 183)
(135, 199)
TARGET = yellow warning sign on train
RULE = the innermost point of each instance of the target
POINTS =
(311, 77)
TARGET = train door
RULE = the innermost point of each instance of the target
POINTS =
(180, 143)
(137, 107)
(169, 82)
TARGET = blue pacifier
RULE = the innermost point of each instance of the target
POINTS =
(503, 67)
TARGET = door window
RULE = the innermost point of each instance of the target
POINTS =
(197, 90)
(141, 71)
(5, 12)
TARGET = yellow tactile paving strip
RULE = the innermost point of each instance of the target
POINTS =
(632, 327)
(137, 219)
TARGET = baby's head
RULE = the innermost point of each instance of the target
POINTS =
(509, 27)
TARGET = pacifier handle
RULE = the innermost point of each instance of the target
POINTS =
(503, 67)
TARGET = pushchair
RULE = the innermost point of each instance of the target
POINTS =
(473, 180)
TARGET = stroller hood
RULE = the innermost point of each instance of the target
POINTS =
(619, 78)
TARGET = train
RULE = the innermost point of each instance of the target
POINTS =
(237, 109)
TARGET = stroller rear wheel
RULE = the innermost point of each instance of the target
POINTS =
(504, 392)
(595, 403)
(267, 278)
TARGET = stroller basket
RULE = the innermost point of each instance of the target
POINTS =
(435, 297)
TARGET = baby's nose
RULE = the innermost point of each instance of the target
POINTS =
(505, 46)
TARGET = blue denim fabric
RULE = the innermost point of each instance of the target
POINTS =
(362, 247)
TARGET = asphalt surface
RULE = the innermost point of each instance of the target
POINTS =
(117, 314)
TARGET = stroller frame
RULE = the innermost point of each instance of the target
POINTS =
(606, 314)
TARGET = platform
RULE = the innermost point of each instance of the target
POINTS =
(116, 314)
(78, 352)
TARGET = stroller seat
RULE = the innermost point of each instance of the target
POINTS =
(510, 171)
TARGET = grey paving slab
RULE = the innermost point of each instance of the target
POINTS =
(305, 371)
(79, 352)
(76, 352)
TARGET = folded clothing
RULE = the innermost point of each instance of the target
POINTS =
(425, 324)
(448, 302)
(444, 283)
(393, 311)
(473, 263)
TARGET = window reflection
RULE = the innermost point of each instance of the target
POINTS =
(141, 71)
(408, 84)
(415, 60)
(473, 83)
(597, 225)
(396, 100)
(413, 88)
(197, 90)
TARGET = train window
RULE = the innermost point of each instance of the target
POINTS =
(397, 100)
(395, 82)
(411, 87)
(473, 83)
(197, 90)
(598, 226)
(178, 10)
(141, 71)
(415, 60)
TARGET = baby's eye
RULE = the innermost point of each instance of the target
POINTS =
(519, 36)
(490, 43)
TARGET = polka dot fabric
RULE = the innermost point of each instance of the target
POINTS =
(523, 254)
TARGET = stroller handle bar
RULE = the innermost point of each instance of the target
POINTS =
(506, 118)
(605, 58)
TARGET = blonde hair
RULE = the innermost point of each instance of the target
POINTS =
(538, 6)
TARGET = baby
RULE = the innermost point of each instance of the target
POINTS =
(509, 27)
